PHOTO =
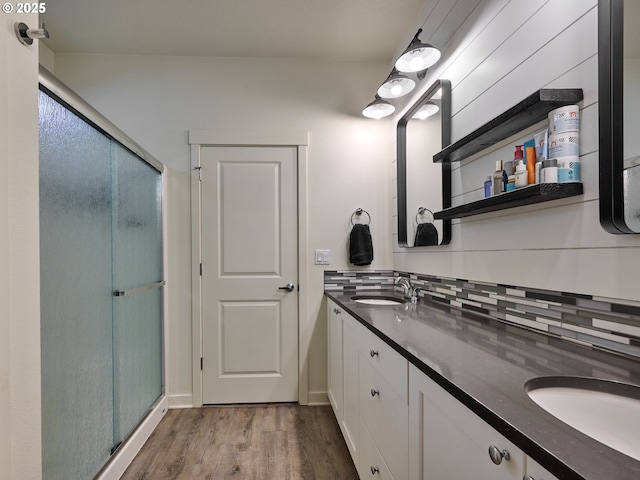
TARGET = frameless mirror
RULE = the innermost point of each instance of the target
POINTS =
(619, 107)
(424, 187)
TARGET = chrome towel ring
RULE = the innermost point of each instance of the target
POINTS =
(358, 213)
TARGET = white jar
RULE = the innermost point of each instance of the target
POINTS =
(549, 171)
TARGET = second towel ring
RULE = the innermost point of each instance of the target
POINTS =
(359, 212)
(421, 211)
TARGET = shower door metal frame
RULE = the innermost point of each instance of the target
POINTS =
(53, 87)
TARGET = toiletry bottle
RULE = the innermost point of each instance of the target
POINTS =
(530, 154)
(517, 156)
(511, 183)
(487, 187)
(499, 179)
(522, 175)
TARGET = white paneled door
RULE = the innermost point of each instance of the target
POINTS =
(249, 274)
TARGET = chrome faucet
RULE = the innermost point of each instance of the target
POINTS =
(410, 292)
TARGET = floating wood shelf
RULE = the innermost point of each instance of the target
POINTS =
(528, 112)
(543, 192)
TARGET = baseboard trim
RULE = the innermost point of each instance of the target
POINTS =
(318, 398)
(181, 401)
(117, 465)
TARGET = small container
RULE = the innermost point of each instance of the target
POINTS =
(549, 171)
(564, 145)
(564, 119)
(517, 156)
(487, 187)
(511, 183)
(530, 154)
(499, 179)
(538, 167)
(522, 175)
(509, 167)
(568, 169)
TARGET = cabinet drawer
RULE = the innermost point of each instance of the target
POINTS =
(371, 465)
(451, 442)
(392, 366)
(386, 417)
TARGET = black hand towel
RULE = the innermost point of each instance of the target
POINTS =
(426, 235)
(360, 245)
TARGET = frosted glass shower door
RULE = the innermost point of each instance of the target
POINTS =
(75, 294)
(101, 291)
(137, 285)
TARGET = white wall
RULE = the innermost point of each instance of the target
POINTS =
(506, 50)
(20, 439)
(156, 100)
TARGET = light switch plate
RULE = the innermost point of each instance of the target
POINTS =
(322, 257)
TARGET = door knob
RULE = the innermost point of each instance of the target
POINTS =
(289, 287)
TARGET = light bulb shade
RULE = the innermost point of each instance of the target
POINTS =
(396, 85)
(378, 108)
(426, 111)
(417, 57)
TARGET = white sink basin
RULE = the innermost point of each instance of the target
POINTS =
(606, 411)
(377, 300)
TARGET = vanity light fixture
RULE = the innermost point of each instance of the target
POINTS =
(378, 108)
(396, 85)
(426, 111)
(418, 56)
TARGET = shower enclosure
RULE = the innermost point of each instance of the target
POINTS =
(101, 285)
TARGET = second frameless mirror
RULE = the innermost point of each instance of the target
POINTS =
(424, 187)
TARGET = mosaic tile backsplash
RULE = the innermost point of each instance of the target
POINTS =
(584, 319)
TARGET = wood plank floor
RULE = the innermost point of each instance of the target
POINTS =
(279, 441)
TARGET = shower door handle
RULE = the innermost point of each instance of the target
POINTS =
(133, 291)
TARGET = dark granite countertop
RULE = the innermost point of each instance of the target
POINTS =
(485, 363)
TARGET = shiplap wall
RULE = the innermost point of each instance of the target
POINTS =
(503, 51)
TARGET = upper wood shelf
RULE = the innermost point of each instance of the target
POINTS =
(542, 192)
(528, 112)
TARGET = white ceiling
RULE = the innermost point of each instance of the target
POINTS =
(336, 29)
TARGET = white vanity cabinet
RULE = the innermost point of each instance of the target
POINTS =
(447, 441)
(342, 337)
(399, 424)
(368, 390)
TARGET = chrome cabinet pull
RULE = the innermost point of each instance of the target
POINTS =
(497, 455)
(289, 287)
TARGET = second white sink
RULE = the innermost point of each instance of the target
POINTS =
(606, 411)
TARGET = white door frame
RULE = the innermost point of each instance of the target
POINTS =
(208, 138)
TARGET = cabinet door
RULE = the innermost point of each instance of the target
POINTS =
(537, 472)
(334, 351)
(447, 441)
(351, 413)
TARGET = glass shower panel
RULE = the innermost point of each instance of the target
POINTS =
(76, 307)
(137, 271)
